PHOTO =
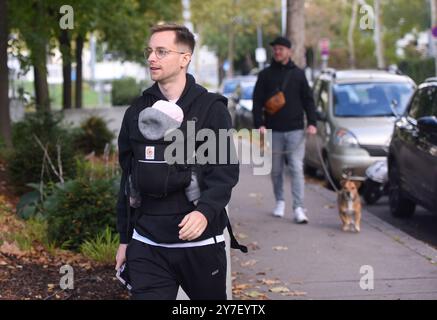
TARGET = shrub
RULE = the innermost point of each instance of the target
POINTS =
(418, 69)
(102, 248)
(81, 209)
(93, 135)
(25, 162)
(124, 91)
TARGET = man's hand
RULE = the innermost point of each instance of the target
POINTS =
(311, 129)
(193, 225)
(121, 256)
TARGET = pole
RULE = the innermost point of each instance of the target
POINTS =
(283, 17)
(433, 43)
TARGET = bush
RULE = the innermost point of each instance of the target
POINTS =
(418, 69)
(25, 162)
(124, 91)
(81, 209)
(102, 248)
(93, 135)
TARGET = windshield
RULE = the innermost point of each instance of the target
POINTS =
(247, 92)
(229, 86)
(371, 99)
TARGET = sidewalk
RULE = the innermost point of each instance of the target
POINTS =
(318, 260)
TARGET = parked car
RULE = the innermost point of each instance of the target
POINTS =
(412, 159)
(244, 104)
(231, 89)
(355, 117)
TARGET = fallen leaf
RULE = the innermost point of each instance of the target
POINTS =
(268, 282)
(254, 294)
(253, 246)
(3, 263)
(249, 263)
(280, 248)
(279, 289)
(294, 293)
(241, 235)
(261, 273)
(329, 206)
(11, 248)
(241, 286)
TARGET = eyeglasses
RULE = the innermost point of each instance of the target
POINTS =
(160, 53)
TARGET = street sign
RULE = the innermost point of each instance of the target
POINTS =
(260, 55)
(324, 46)
(434, 31)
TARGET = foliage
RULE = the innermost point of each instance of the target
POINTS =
(93, 135)
(25, 162)
(418, 69)
(124, 91)
(102, 248)
(80, 210)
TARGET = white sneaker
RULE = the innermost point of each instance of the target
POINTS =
(279, 209)
(299, 215)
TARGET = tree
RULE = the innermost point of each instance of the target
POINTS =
(350, 35)
(379, 46)
(296, 30)
(229, 26)
(5, 120)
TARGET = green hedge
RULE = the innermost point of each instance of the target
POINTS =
(24, 162)
(93, 135)
(81, 210)
(418, 69)
(124, 91)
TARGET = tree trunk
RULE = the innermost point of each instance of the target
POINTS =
(231, 49)
(221, 73)
(41, 85)
(39, 60)
(5, 119)
(79, 48)
(65, 46)
(350, 35)
(379, 45)
(296, 30)
(433, 4)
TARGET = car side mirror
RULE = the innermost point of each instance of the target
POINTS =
(321, 115)
(427, 124)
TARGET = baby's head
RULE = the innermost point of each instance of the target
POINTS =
(160, 119)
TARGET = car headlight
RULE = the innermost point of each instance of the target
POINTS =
(345, 138)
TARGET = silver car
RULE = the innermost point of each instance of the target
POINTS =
(355, 118)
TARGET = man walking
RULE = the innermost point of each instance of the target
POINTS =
(175, 241)
(287, 123)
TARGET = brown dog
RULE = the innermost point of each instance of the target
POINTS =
(349, 204)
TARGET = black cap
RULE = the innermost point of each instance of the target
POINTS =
(281, 41)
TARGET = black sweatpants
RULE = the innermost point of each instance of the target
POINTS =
(156, 272)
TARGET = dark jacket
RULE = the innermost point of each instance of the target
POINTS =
(298, 97)
(158, 218)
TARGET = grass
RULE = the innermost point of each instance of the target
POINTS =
(103, 248)
(90, 97)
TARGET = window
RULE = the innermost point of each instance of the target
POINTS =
(423, 103)
(374, 99)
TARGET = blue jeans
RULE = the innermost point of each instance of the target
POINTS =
(288, 145)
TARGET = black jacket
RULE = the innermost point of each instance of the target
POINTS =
(216, 181)
(298, 97)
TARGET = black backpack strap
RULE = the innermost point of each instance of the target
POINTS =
(234, 242)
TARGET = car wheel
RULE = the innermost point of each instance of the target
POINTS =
(371, 191)
(400, 206)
